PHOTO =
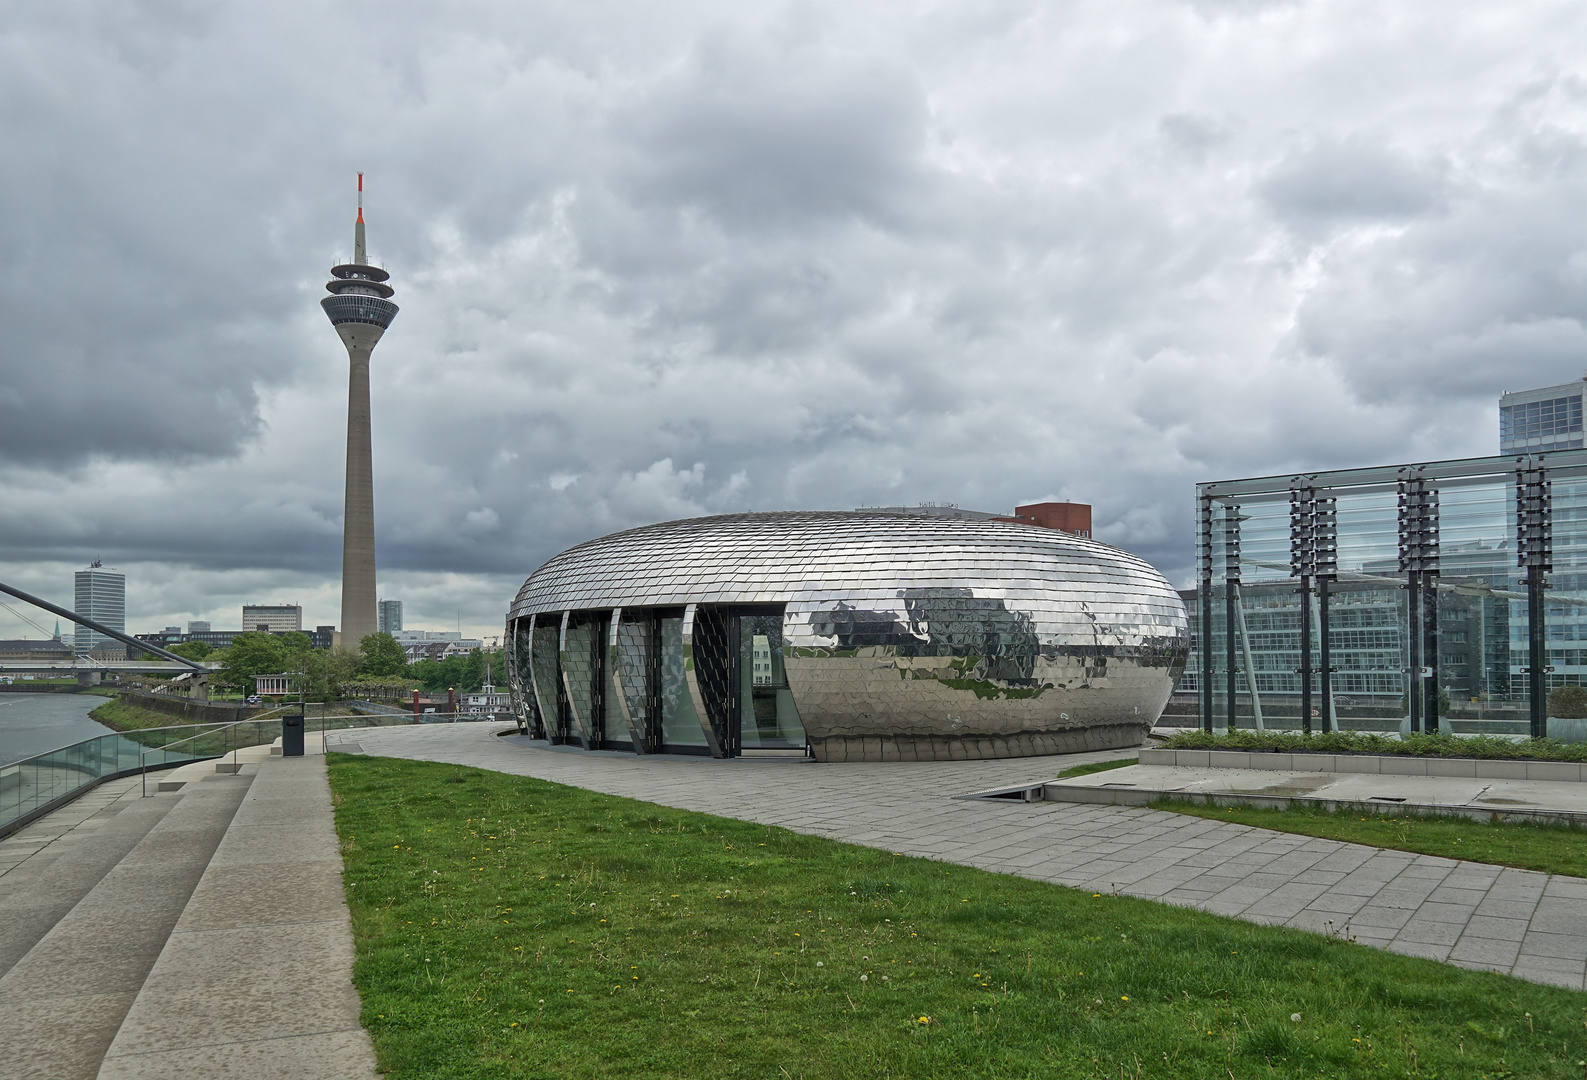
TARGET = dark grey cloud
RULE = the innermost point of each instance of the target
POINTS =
(671, 259)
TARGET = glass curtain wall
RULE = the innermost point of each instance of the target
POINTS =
(768, 719)
(584, 669)
(1439, 596)
(716, 668)
(634, 677)
(547, 668)
(520, 659)
(680, 723)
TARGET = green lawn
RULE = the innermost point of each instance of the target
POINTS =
(1097, 766)
(508, 927)
(123, 717)
(1553, 849)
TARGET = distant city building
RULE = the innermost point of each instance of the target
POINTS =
(1542, 420)
(408, 637)
(101, 595)
(272, 618)
(440, 650)
(488, 702)
(273, 685)
(197, 626)
(215, 639)
(36, 650)
(389, 616)
(321, 637)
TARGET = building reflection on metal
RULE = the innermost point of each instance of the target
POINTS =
(863, 636)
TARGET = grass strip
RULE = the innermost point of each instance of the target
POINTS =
(120, 716)
(1431, 744)
(1097, 766)
(509, 927)
(1526, 845)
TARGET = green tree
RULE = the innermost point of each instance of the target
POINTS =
(254, 654)
(463, 672)
(193, 650)
(382, 655)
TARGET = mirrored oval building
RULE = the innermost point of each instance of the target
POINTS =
(861, 636)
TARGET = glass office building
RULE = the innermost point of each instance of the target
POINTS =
(1409, 592)
(861, 636)
(100, 593)
(1543, 420)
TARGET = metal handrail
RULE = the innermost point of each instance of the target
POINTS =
(164, 747)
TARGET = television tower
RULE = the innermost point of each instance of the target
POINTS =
(360, 308)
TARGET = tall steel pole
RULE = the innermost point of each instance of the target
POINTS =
(1535, 554)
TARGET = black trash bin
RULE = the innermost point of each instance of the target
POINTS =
(292, 735)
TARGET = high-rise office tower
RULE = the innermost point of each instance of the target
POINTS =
(1541, 420)
(360, 308)
(390, 616)
(101, 595)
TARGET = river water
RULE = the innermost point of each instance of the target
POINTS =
(38, 723)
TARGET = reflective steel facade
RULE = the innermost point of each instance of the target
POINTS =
(863, 636)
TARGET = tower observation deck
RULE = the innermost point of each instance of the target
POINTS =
(360, 308)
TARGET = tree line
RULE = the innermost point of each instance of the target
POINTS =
(326, 675)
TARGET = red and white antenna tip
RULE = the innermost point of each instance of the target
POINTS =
(360, 198)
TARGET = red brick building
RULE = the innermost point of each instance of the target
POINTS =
(1072, 518)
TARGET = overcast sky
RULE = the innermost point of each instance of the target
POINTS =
(660, 259)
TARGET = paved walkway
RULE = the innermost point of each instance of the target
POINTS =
(1530, 925)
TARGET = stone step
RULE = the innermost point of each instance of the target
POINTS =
(40, 891)
(62, 1002)
(256, 978)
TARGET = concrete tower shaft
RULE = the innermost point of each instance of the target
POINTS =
(361, 309)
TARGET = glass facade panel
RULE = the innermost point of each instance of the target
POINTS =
(715, 657)
(548, 676)
(632, 671)
(520, 677)
(1538, 426)
(581, 659)
(769, 719)
(1419, 592)
(680, 724)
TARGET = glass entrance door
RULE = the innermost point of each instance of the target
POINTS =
(768, 719)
